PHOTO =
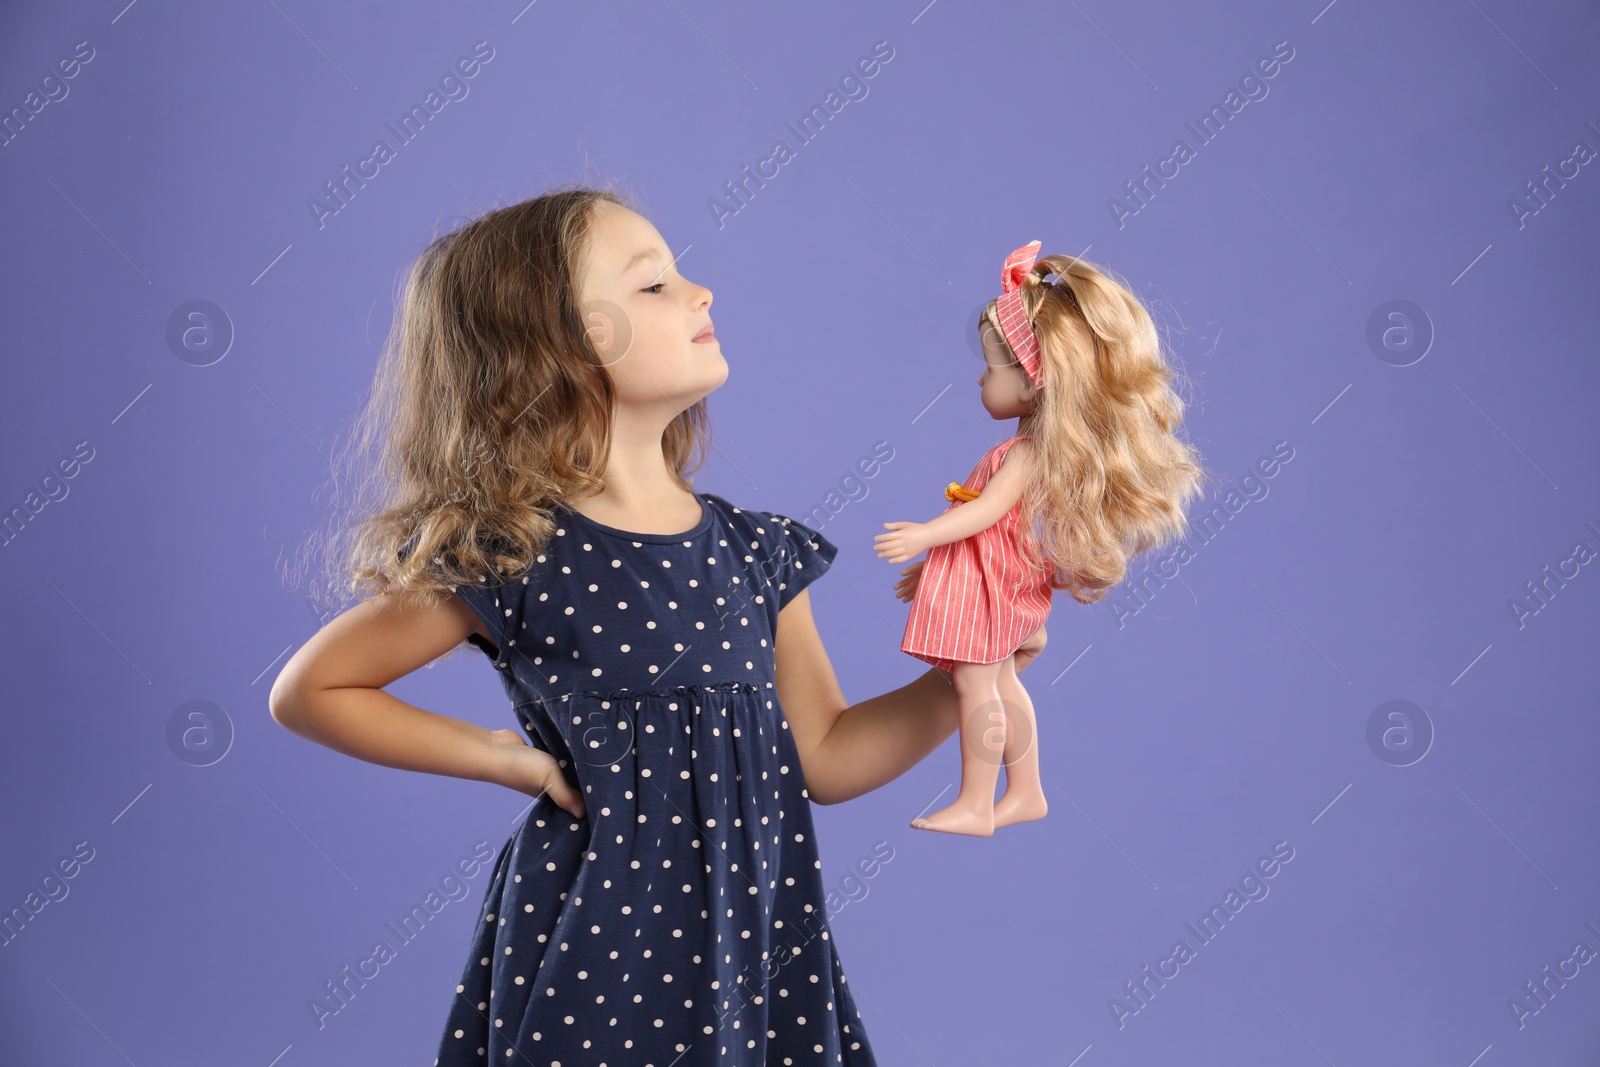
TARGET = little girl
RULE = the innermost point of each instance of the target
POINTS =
(1095, 463)
(532, 425)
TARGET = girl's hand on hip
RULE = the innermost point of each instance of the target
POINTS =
(520, 766)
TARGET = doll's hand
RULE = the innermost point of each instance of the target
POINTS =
(905, 539)
(906, 588)
(518, 765)
(1030, 649)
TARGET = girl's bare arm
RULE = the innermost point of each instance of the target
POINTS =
(850, 749)
(331, 692)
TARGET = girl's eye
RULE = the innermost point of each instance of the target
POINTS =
(656, 288)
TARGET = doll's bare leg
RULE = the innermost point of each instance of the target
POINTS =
(1024, 798)
(982, 749)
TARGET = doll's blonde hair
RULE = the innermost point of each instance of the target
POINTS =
(1111, 478)
(489, 404)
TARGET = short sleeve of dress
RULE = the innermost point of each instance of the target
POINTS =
(499, 605)
(802, 557)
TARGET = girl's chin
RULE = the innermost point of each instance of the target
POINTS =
(713, 383)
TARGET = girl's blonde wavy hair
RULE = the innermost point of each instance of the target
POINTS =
(1111, 478)
(489, 404)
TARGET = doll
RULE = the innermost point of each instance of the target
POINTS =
(1094, 476)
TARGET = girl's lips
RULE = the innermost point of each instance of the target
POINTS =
(705, 336)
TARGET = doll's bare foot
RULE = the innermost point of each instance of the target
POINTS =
(1019, 806)
(975, 821)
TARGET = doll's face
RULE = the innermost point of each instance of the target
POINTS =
(1008, 392)
(643, 316)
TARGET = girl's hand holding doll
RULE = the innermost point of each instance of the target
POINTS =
(1030, 649)
(906, 589)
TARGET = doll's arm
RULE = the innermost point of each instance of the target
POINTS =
(998, 497)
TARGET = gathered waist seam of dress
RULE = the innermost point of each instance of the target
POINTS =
(675, 691)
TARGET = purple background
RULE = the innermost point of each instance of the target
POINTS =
(1228, 713)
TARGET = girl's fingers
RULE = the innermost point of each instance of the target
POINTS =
(560, 790)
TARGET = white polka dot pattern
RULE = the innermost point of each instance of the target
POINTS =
(682, 920)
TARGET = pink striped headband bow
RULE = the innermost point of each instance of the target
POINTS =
(1014, 324)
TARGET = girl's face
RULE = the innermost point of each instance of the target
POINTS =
(1008, 392)
(650, 324)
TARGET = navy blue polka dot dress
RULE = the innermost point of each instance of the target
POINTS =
(682, 921)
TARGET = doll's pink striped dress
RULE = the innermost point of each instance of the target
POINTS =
(978, 599)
